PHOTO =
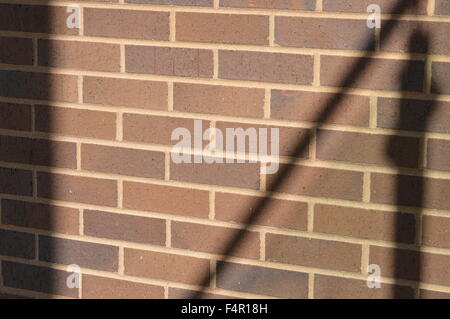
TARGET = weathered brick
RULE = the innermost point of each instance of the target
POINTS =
(17, 244)
(16, 50)
(271, 4)
(387, 6)
(15, 181)
(442, 7)
(15, 116)
(437, 154)
(440, 76)
(436, 231)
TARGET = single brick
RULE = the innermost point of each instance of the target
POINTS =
(313, 252)
(430, 294)
(166, 199)
(412, 265)
(40, 216)
(309, 5)
(131, 24)
(77, 189)
(438, 154)
(15, 116)
(169, 61)
(328, 287)
(95, 287)
(38, 152)
(15, 181)
(323, 33)
(222, 28)
(16, 50)
(37, 278)
(314, 107)
(215, 240)
(124, 161)
(215, 99)
(414, 115)
(363, 148)
(436, 231)
(167, 267)
(275, 212)
(79, 55)
(387, 6)
(84, 254)
(17, 244)
(319, 182)
(125, 227)
(178, 293)
(40, 86)
(442, 7)
(410, 191)
(125, 92)
(262, 280)
(266, 67)
(378, 74)
(75, 122)
(202, 3)
(440, 77)
(365, 224)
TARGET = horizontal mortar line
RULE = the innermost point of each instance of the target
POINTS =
(230, 10)
(227, 82)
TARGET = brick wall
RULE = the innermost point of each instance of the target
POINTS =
(86, 177)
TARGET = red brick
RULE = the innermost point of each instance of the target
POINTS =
(429, 294)
(166, 199)
(15, 116)
(167, 267)
(203, 3)
(442, 7)
(387, 6)
(266, 67)
(15, 181)
(437, 154)
(125, 92)
(40, 216)
(271, 4)
(436, 231)
(178, 293)
(125, 227)
(222, 28)
(16, 50)
(215, 240)
(313, 252)
(275, 212)
(17, 244)
(214, 99)
(440, 77)
(132, 24)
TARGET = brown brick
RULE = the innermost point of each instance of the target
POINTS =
(75, 122)
(77, 188)
(440, 77)
(412, 265)
(125, 92)
(131, 24)
(79, 55)
(387, 6)
(328, 287)
(203, 3)
(436, 231)
(313, 252)
(178, 293)
(410, 191)
(222, 28)
(245, 175)
(84, 254)
(262, 280)
(15, 116)
(155, 129)
(125, 227)
(314, 107)
(40, 216)
(365, 224)
(167, 267)
(414, 115)
(95, 287)
(34, 18)
(271, 4)
(429, 294)
(266, 67)
(37, 278)
(320, 182)
(38, 152)
(166, 199)
(275, 212)
(214, 99)
(379, 74)
(40, 86)
(289, 137)
(368, 148)
(323, 33)
(17, 244)
(442, 7)
(399, 39)
(437, 154)
(215, 240)
(124, 161)
(16, 50)
(15, 181)
(169, 61)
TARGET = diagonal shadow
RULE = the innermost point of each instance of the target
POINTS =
(353, 75)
